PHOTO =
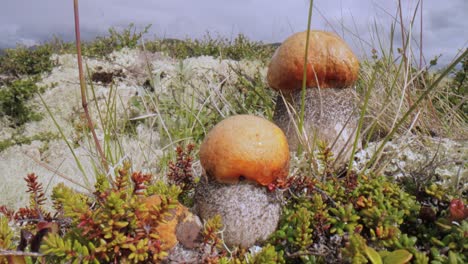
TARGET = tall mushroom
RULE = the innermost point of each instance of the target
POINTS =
(332, 69)
(241, 156)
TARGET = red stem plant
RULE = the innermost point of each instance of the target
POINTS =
(84, 102)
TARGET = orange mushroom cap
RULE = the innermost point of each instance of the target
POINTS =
(330, 62)
(245, 147)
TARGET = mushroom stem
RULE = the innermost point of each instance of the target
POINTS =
(249, 212)
(241, 156)
(329, 112)
(329, 116)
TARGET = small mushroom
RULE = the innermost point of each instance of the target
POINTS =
(332, 69)
(241, 156)
(175, 220)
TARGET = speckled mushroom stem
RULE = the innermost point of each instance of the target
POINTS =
(328, 70)
(250, 213)
(243, 156)
(330, 116)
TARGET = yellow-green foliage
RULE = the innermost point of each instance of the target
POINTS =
(211, 232)
(237, 48)
(299, 232)
(6, 235)
(162, 188)
(371, 220)
(359, 252)
(70, 203)
(344, 219)
(357, 219)
(116, 226)
(268, 255)
(60, 249)
(111, 225)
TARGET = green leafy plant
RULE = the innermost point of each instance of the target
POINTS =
(250, 96)
(22, 61)
(13, 101)
(357, 251)
(345, 219)
(367, 219)
(181, 173)
(458, 88)
(211, 236)
(267, 255)
(236, 49)
(111, 225)
(6, 235)
(117, 40)
(19, 140)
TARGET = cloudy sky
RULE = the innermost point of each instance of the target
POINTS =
(445, 25)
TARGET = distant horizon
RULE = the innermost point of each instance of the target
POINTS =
(92, 38)
(445, 27)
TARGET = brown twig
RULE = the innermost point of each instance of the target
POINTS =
(403, 41)
(55, 171)
(421, 37)
(19, 253)
(84, 102)
(306, 253)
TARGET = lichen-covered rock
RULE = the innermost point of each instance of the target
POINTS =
(438, 160)
(249, 213)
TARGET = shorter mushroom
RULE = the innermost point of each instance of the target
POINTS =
(331, 71)
(241, 156)
(177, 219)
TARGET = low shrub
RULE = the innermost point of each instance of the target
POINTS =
(13, 101)
(236, 49)
(352, 219)
(26, 61)
(115, 41)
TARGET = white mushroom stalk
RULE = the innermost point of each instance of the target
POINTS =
(242, 156)
(329, 113)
